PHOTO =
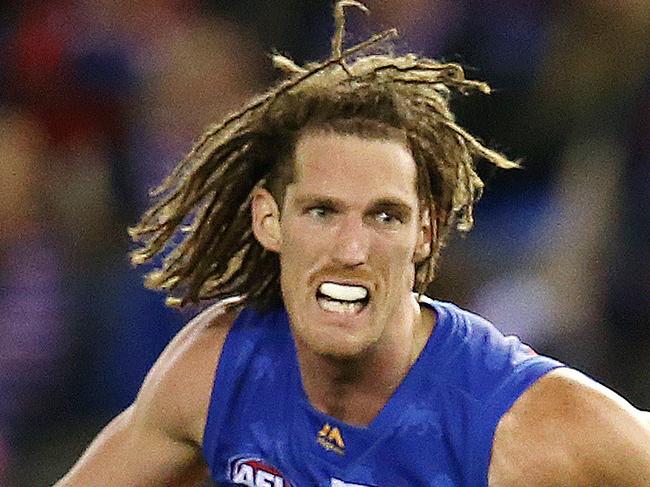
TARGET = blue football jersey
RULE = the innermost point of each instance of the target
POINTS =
(436, 430)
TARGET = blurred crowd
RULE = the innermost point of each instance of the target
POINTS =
(99, 99)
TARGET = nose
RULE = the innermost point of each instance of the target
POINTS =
(352, 243)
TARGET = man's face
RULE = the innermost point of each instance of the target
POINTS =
(349, 232)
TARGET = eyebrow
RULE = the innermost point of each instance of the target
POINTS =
(391, 203)
(386, 203)
(317, 200)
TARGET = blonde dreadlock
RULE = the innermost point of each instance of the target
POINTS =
(208, 195)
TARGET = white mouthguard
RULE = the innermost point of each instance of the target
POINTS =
(343, 292)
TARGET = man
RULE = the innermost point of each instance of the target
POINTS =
(315, 218)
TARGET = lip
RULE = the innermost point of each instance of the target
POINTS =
(343, 318)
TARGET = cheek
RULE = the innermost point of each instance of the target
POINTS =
(398, 249)
(299, 248)
(296, 240)
(302, 236)
(397, 259)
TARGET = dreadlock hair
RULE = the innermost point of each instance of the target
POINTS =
(206, 199)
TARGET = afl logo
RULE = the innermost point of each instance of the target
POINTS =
(255, 472)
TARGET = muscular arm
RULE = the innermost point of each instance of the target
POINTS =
(157, 440)
(569, 431)
(130, 453)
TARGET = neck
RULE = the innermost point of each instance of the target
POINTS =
(354, 389)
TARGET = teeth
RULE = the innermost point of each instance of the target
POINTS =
(342, 292)
(340, 307)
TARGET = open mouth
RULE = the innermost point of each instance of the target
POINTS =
(342, 298)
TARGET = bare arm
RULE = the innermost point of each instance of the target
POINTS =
(567, 430)
(157, 440)
(129, 453)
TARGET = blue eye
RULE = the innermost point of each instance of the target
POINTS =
(387, 218)
(318, 212)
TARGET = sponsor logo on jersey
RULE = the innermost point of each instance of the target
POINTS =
(255, 472)
(330, 438)
(339, 483)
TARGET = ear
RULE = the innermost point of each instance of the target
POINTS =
(266, 220)
(426, 233)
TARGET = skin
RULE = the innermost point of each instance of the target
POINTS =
(566, 430)
(569, 431)
(156, 441)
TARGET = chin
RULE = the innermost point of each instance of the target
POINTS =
(335, 343)
(336, 335)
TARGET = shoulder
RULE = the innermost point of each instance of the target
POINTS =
(477, 358)
(468, 329)
(569, 430)
(176, 392)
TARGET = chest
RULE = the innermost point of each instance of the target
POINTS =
(263, 432)
(284, 442)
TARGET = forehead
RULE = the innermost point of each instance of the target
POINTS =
(351, 166)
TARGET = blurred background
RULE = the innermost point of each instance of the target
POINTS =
(99, 99)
